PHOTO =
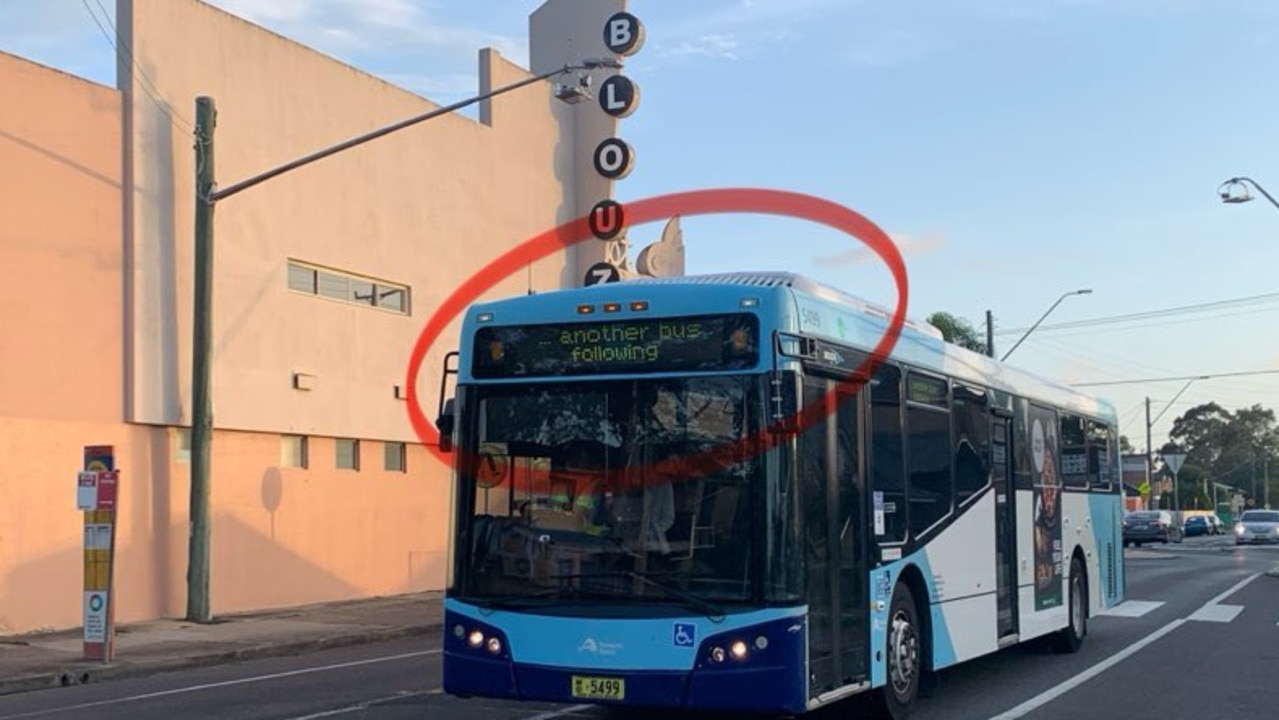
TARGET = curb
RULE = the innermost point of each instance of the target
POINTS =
(85, 672)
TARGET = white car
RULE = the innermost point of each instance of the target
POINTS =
(1257, 526)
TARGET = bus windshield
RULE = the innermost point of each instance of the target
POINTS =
(584, 491)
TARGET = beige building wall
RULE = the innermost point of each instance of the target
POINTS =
(96, 233)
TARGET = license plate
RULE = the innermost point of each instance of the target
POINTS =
(586, 687)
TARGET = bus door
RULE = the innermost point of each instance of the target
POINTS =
(1001, 471)
(832, 474)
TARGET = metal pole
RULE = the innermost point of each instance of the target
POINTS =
(990, 334)
(201, 348)
(1041, 319)
(1149, 484)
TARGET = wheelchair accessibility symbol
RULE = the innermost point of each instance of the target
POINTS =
(685, 634)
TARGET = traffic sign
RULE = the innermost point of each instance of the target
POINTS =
(602, 272)
(1174, 461)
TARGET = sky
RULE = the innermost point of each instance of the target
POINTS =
(1016, 150)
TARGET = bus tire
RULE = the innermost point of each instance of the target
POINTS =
(1070, 638)
(903, 655)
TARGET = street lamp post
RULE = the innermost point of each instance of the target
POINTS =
(206, 194)
(1084, 291)
(1235, 191)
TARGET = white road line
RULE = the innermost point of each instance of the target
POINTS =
(224, 683)
(1217, 613)
(559, 713)
(1053, 693)
(361, 706)
(1133, 608)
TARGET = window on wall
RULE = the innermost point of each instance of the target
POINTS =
(1074, 451)
(928, 450)
(347, 287)
(348, 454)
(293, 451)
(394, 457)
(182, 445)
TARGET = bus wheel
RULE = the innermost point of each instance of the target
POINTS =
(1070, 638)
(905, 654)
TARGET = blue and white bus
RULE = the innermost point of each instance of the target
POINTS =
(940, 509)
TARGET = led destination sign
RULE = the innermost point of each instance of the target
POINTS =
(682, 344)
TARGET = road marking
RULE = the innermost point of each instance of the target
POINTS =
(1133, 608)
(363, 705)
(559, 713)
(1053, 693)
(224, 683)
(1217, 613)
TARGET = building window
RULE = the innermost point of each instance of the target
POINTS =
(348, 287)
(348, 454)
(394, 457)
(182, 445)
(293, 451)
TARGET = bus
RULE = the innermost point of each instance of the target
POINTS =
(639, 520)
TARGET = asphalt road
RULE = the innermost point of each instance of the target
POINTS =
(1198, 638)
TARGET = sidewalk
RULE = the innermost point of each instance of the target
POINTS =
(46, 660)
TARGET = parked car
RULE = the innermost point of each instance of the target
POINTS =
(1257, 526)
(1218, 527)
(1198, 525)
(1151, 526)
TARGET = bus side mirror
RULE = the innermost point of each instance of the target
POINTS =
(444, 423)
(783, 402)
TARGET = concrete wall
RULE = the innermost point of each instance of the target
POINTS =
(96, 218)
(425, 208)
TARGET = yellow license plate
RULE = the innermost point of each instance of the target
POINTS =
(598, 688)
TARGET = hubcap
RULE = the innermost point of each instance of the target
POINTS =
(903, 653)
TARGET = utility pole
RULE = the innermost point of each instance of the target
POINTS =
(990, 334)
(201, 348)
(1149, 475)
(206, 195)
(1267, 481)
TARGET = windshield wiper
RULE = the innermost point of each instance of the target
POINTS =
(713, 612)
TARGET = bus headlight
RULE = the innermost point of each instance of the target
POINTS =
(476, 639)
(717, 654)
(494, 645)
(738, 649)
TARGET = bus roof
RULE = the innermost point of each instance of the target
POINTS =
(920, 344)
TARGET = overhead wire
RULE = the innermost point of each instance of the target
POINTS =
(138, 74)
(1150, 314)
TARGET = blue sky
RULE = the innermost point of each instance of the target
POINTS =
(1016, 149)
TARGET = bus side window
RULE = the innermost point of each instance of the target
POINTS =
(888, 469)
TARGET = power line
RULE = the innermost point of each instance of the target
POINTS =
(1172, 379)
(1150, 314)
(126, 55)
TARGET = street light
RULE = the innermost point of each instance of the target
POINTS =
(1235, 191)
(1084, 291)
(206, 194)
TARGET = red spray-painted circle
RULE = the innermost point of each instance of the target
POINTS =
(690, 203)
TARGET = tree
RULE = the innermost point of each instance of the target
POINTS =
(957, 331)
(1125, 447)
(1234, 449)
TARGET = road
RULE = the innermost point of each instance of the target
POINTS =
(1197, 638)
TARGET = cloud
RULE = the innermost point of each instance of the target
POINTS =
(906, 244)
(712, 45)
